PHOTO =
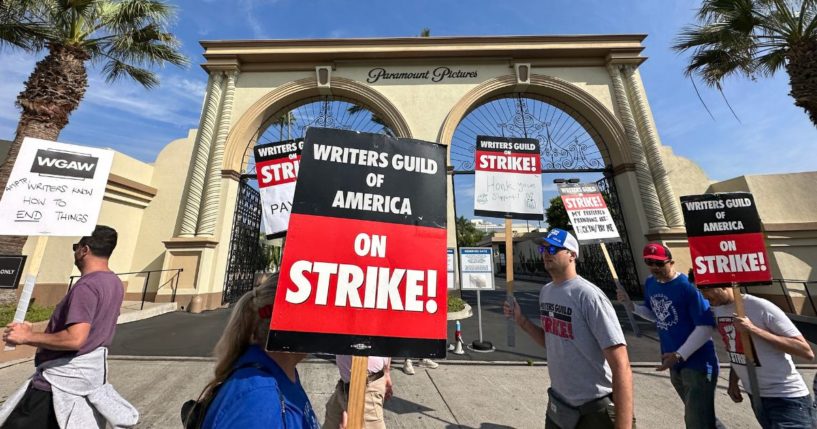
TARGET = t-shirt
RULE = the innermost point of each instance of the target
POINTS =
(344, 362)
(250, 398)
(679, 307)
(776, 374)
(96, 299)
(579, 323)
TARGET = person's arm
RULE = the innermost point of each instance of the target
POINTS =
(69, 339)
(387, 376)
(734, 390)
(642, 310)
(697, 338)
(794, 345)
(535, 332)
(619, 362)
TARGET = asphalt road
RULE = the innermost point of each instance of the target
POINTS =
(195, 335)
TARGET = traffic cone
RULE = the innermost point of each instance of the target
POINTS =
(458, 340)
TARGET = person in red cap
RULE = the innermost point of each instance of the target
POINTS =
(685, 327)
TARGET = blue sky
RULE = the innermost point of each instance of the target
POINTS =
(772, 136)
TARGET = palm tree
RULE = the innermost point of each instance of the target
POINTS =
(756, 38)
(124, 37)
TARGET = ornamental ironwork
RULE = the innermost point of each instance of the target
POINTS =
(246, 256)
(567, 141)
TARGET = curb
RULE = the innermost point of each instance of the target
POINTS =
(158, 310)
(462, 314)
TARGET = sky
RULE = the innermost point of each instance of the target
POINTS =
(770, 136)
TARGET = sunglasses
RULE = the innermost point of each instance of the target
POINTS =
(654, 263)
(550, 249)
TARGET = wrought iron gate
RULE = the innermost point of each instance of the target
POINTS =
(246, 256)
(592, 264)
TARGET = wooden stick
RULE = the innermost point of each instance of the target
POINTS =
(510, 324)
(748, 349)
(357, 392)
(31, 279)
(630, 316)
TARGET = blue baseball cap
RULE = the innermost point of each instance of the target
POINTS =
(561, 238)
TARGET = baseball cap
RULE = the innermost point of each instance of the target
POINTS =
(560, 238)
(657, 252)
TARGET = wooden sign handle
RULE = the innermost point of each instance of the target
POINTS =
(510, 325)
(748, 348)
(30, 279)
(357, 392)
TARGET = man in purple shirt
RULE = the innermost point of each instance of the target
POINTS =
(83, 321)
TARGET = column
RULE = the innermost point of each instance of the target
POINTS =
(649, 196)
(652, 147)
(210, 205)
(198, 171)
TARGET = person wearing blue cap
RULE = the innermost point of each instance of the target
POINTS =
(590, 376)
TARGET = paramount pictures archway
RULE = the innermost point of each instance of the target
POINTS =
(420, 88)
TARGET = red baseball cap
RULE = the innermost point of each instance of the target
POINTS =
(657, 252)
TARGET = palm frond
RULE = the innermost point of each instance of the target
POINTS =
(771, 62)
(22, 26)
(115, 70)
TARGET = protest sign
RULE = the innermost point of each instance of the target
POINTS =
(55, 189)
(726, 242)
(362, 271)
(507, 178)
(592, 223)
(476, 268)
(588, 213)
(276, 166)
(452, 268)
(11, 269)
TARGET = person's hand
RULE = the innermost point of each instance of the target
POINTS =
(344, 421)
(514, 312)
(389, 388)
(743, 324)
(17, 334)
(624, 299)
(734, 391)
(668, 360)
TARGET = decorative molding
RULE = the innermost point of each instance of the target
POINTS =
(623, 168)
(672, 234)
(191, 243)
(198, 169)
(132, 186)
(646, 187)
(652, 146)
(231, 174)
(210, 205)
(604, 123)
(790, 226)
(246, 128)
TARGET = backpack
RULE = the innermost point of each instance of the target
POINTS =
(194, 411)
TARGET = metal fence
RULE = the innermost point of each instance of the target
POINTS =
(785, 286)
(173, 282)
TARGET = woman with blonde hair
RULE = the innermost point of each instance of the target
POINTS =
(254, 388)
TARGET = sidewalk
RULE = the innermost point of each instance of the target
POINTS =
(455, 395)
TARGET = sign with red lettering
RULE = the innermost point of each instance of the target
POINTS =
(588, 213)
(364, 266)
(508, 178)
(276, 166)
(725, 239)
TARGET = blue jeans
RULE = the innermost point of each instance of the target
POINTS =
(786, 413)
(698, 395)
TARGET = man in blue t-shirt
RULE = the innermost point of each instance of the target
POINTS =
(685, 326)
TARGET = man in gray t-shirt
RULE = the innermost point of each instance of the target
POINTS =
(83, 321)
(586, 350)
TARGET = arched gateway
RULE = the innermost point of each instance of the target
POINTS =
(582, 96)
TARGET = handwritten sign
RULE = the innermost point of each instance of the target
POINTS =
(54, 189)
(588, 213)
(507, 178)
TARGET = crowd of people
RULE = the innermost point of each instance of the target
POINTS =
(591, 381)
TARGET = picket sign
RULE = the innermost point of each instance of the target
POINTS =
(748, 350)
(593, 223)
(28, 288)
(357, 392)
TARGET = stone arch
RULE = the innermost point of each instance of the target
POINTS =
(246, 128)
(606, 126)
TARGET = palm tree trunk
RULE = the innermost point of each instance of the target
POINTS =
(802, 69)
(52, 91)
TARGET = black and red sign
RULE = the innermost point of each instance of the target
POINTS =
(276, 166)
(364, 266)
(726, 242)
